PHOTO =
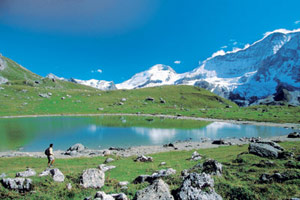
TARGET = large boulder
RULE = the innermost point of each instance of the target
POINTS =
(76, 148)
(157, 190)
(197, 187)
(57, 175)
(92, 178)
(271, 143)
(27, 173)
(20, 184)
(212, 167)
(264, 150)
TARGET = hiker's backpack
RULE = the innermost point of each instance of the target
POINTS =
(47, 152)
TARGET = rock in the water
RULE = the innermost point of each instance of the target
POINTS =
(212, 167)
(57, 175)
(143, 158)
(92, 178)
(197, 187)
(105, 167)
(263, 150)
(27, 173)
(108, 160)
(158, 190)
(294, 135)
(20, 184)
(196, 156)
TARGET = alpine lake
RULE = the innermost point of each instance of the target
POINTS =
(36, 133)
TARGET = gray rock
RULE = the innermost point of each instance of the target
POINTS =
(108, 160)
(20, 184)
(294, 135)
(77, 147)
(100, 109)
(263, 150)
(69, 186)
(219, 142)
(149, 99)
(106, 152)
(104, 167)
(92, 178)
(142, 179)
(279, 177)
(3, 175)
(123, 99)
(46, 172)
(57, 175)
(162, 163)
(123, 183)
(63, 98)
(271, 143)
(197, 187)
(212, 167)
(27, 173)
(44, 95)
(154, 176)
(103, 196)
(196, 156)
(120, 103)
(120, 196)
(161, 100)
(158, 190)
(143, 158)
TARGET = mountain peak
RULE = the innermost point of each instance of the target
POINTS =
(161, 67)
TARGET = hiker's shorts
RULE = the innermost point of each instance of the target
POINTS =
(50, 158)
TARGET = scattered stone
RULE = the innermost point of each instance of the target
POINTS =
(69, 186)
(27, 173)
(100, 109)
(143, 158)
(123, 99)
(37, 82)
(279, 177)
(49, 94)
(263, 150)
(149, 99)
(103, 196)
(92, 178)
(116, 149)
(294, 135)
(106, 152)
(57, 175)
(219, 142)
(3, 175)
(265, 163)
(161, 100)
(292, 164)
(120, 103)
(105, 167)
(69, 96)
(196, 156)
(196, 187)
(120, 196)
(158, 190)
(20, 184)
(212, 167)
(162, 163)
(44, 95)
(1, 88)
(123, 183)
(108, 160)
(169, 145)
(63, 98)
(46, 172)
(154, 176)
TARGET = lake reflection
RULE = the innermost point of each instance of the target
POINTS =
(35, 134)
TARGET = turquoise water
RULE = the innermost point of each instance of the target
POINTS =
(34, 134)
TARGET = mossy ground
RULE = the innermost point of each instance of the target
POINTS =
(240, 180)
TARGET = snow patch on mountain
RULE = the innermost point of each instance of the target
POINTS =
(99, 84)
(2, 63)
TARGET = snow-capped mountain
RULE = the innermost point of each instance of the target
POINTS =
(99, 84)
(244, 75)
(157, 75)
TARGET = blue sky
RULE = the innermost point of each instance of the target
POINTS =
(76, 38)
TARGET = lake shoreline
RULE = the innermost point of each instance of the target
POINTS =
(287, 125)
(145, 150)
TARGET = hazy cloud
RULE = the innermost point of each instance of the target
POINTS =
(99, 70)
(297, 22)
(224, 47)
(177, 62)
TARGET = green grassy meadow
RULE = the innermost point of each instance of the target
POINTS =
(240, 180)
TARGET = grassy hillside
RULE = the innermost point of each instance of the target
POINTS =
(20, 96)
(240, 178)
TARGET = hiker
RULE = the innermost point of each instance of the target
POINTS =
(49, 154)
